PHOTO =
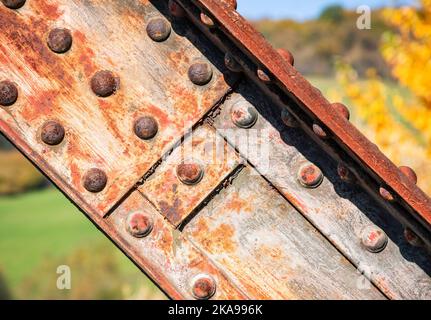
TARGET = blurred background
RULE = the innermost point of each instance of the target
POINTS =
(382, 74)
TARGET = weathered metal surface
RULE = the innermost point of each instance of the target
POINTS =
(269, 250)
(165, 253)
(175, 198)
(341, 211)
(118, 101)
(112, 75)
(261, 60)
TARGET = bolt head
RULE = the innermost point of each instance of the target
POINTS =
(190, 172)
(8, 93)
(310, 176)
(95, 180)
(52, 133)
(231, 63)
(342, 109)
(374, 239)
(286, 55)
(139, 224)
(244, 115)
(104, 83)
(176, 10)
(386, 195)
(158, 29)
(13, 4)
(200, 73)
(146, 128)
(318, 131)
(203, 287)
(207, 20)
(263, 76)
(60, 40)
(410, 174)
(412, 238)
(288, 119)
(345, 174)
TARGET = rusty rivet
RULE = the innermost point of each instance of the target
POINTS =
(409, 173)
(8, 93)
(286, 55)
(318, 130)
(288, 119)
(263, 76)
(13, 4)
(386, 195)
(146, 128)
(231, 63)
(243, 115)
(59, 40)
(345, 174)
(200, 73)
(374, 239)
(412, 238)
(52, 133)
(203, 287)
(139, 224)
(158, 29)
(104, 83)
(176, 10)
(95, 180)
(207, 20)
(342, 109)
(310, 176)
(190, 172)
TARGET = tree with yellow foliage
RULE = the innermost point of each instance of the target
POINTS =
(399, 121)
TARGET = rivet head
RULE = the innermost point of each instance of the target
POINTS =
(176, 10)
(207, 20)
(95, 180)
(146, 128)
(104, 83)
(200, 73)
(386, 195)
(139, 224)
(374, 239)
(8, 93)
(158, 29)
(13, 4)
(263, 76)
(409, 173)
(288, 119)
(231, 63)
(60, 40)
(318, 131)
(190, 172)
(203, 287)
(345, 174)
(286, 55)
(243, 115)
(310, 176)
(412, 238)
(52, 133)
(342, 109)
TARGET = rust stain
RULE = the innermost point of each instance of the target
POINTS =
(41, 104)
(238, 204)
(50, 11)
(219, 240)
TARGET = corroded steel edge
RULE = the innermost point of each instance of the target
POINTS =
(311, 100)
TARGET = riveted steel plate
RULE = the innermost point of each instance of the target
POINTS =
(165, 254)
(269, 250)
(176, 200)
(341, 211)
(151, 80)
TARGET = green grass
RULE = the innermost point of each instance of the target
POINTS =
(38, 225)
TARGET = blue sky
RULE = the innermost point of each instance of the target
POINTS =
(302, 9)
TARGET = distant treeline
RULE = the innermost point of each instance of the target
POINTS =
(316, 44)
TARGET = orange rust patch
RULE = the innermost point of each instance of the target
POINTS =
(40, 104)
(218, 240)
(238, 204)
(47, 10)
